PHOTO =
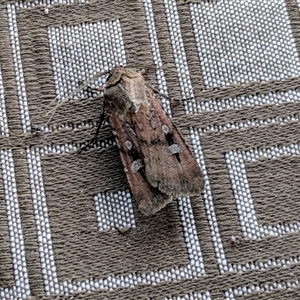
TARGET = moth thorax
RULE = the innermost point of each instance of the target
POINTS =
(135, 106)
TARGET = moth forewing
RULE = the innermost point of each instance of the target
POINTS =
(157, 160)
(149, 199)
(169, 163)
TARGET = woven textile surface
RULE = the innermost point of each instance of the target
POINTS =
(69, 227)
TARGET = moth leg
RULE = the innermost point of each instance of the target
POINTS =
(93, 140)
(35, 129)
(91, 92)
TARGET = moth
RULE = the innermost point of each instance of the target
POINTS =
(158, 163)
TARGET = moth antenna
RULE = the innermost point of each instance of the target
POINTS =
(164, 95)
(158, 92)
(76, 91)
(143, 71)
(53, 112)
(32, 120)
(139, 67)
(162, 68)
(70, 96)
(169, 69)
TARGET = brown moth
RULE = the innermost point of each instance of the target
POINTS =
(158, 163)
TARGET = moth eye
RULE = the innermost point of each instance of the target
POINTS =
(165, 129)
(175, 148)
(136, 165)
(128, 145)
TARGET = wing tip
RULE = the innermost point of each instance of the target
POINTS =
(158, 202)
(184, 188)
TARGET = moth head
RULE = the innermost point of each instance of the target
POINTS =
(125, 90)
(115, 75)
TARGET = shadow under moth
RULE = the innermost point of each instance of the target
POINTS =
(157, 161)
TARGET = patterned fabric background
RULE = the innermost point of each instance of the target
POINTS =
(69, 228)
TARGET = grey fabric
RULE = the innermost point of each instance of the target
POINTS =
(69, 227)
